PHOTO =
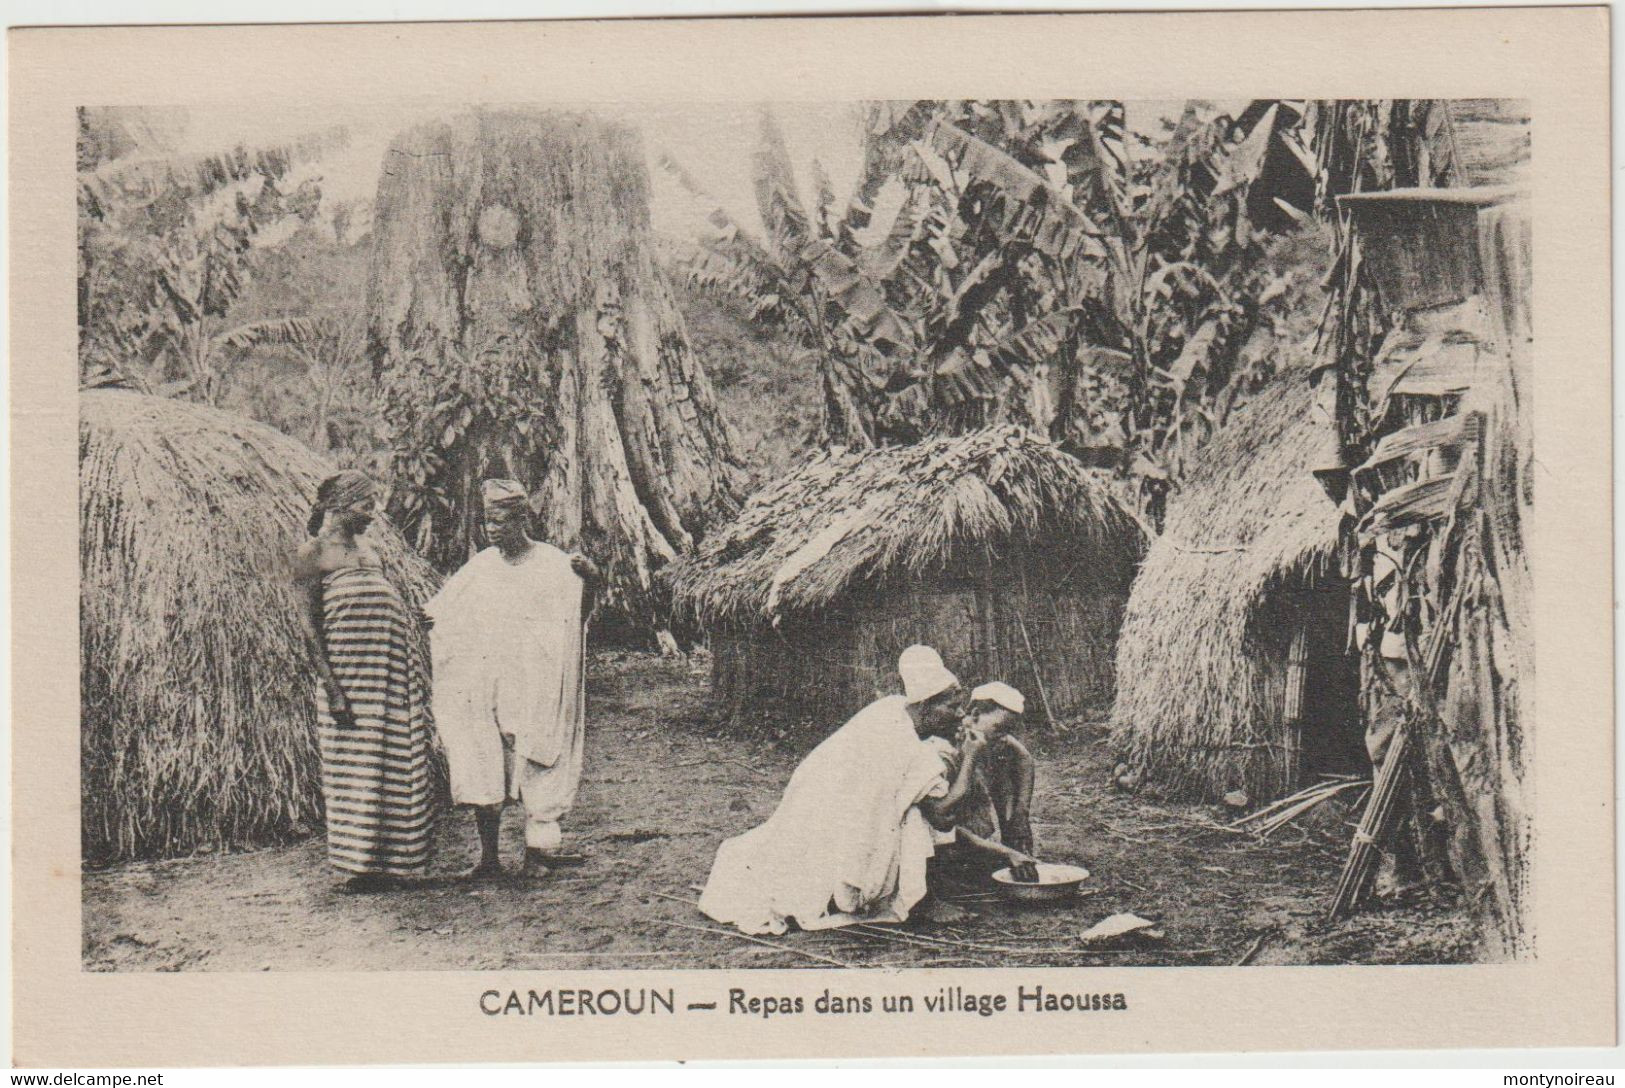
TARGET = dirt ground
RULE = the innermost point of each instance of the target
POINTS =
(661, 790)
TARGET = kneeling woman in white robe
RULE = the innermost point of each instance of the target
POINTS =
(848, 842)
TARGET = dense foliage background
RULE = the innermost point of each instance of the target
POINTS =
(1036, 262)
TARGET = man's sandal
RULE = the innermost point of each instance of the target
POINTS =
(558, 859)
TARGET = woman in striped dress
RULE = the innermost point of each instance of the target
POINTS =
(371, 698)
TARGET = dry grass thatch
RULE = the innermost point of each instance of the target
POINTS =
(849, 517)
(1193, 707)
(197, 705)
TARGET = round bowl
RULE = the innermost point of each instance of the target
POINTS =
(1054, 882)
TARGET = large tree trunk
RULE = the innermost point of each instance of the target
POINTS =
(524, 238)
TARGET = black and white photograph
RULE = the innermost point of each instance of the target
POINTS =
(852, 533)
(990, 538)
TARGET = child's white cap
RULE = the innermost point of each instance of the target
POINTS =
(1001, 693)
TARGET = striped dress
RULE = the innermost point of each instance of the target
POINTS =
(375, 776)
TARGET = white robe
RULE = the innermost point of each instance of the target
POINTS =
(508, 661)
(848, 829)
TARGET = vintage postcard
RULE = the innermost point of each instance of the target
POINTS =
(812, 538)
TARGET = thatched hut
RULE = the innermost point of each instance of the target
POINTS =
(1005, 553)
(1232, 666)
(197, 725)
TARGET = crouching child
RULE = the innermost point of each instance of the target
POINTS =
(989, 826)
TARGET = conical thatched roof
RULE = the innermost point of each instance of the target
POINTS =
(197, 698)
(876, 515)
(1253, 521)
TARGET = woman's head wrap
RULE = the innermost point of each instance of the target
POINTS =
(342, 489)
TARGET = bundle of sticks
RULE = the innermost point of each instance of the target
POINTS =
(1276, 815)
(1376, 826)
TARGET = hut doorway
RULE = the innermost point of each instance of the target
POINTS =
(1323, 689)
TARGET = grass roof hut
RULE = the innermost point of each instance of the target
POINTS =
(197, 725)
(1003, 552)
(1232, 671)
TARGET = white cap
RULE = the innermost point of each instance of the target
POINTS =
(924, 674)
(1002, 694)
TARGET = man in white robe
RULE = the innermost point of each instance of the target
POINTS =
(848, 842)
(509, 652)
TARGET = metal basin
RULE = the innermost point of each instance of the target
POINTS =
(1055, 882)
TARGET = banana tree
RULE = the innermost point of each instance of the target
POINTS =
(1024, 266)
(1133, 278)
(816, 275)
(1369, 145)
(164, 246)
(332, 353)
